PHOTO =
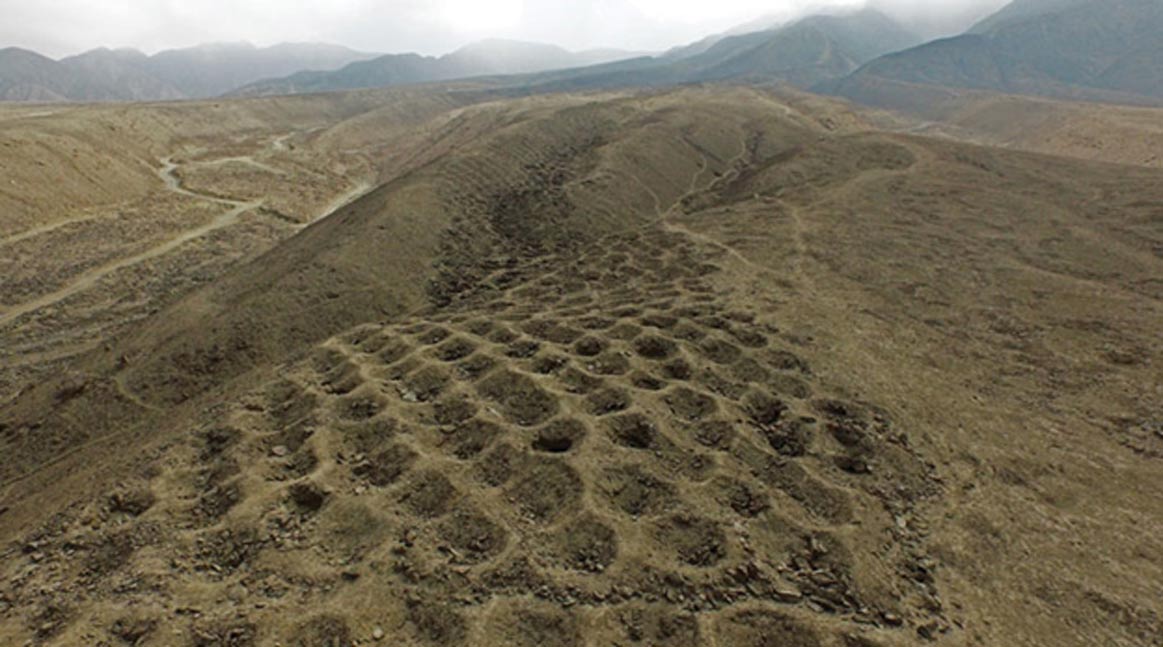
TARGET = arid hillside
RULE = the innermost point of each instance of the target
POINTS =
(1090, 131)
(711, 366)
(108, 213)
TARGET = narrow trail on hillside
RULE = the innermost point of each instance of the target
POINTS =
(734, 167)
(49, 228)
(90, 278)
(799, 238)
(242, 159)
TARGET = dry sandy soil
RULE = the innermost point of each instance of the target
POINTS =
(705, 367)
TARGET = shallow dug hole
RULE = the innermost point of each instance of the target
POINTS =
(520, 399)
(473, 536)
(761, 628)
(546, 490)
(587, 545)
(559, 436)
(696, 541)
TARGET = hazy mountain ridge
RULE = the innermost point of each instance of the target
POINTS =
(28, 76)
(1058, 48)
(129, 75)
(803, 53)
(484, 58)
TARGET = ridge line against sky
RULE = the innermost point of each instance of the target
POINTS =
(59, 28)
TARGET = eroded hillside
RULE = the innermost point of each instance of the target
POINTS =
(687, 368)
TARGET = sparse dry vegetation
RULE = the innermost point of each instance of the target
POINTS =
(710, 366)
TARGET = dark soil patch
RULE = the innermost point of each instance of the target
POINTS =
(225, 634)
(323, 631)
(696, 541)
(131, 501)
(522, 349)
(455, 410)
(633, 430)
(782, 360)
(608, 363)
(589, 346)
(655, 347)
(342, 379)
(741, 497)
(579, 382)
(225, 551)
(646, 382)
(720, 352)
(790, 386)
(596, 322)
(426, 383)
(791, 438)
(133, 630)
(749, 369)
(394, 351)
(716, 434)
(307, 497)
(434, 335)
(546, 490)
(473, 537)
(748, 337)
(690, 405)
(677, 369)
(660, 627)
(217, 501)
(635, 492)
(687, 331)
(544, 628)
(454, 349)
(761, 628)
(624, 331)
(430, 494)
(521, 400)
(387, 466)
(498, 466)
(471, 437)
(549, 364)
(588, 545)
(437, 624)
(359, 407)
(764, 409)
(476, 366)
(608, 400)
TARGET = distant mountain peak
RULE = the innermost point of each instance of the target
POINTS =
(1019, 10)
(1071, 49)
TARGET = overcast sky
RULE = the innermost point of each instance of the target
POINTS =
(62, 27)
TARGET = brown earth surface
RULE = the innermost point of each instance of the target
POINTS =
(712, 366)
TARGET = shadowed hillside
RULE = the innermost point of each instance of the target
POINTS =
(1106, 51)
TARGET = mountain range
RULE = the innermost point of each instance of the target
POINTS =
(1073, 49)
(130, 75)
(1070, 49)
(804, 52)
(485, 58)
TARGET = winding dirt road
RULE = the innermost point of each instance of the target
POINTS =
(91, 277)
